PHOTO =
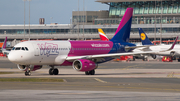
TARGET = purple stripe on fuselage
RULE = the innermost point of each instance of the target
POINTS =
(79, 48)
(66, 63)
(125, 19)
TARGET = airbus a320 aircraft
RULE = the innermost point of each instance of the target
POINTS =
(164, 50)
(4, 51)
(82, 55)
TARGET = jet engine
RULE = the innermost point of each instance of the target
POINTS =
(84, 65)
(172, 53)
(32, 67)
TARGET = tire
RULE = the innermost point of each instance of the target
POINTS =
(87, 73)
(178, 60)
(144, 59)
(134, 58)
(27, 73)
(55, 71)
(92, 72)
(50, 71)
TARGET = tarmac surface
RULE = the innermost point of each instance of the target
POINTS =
(125, 81)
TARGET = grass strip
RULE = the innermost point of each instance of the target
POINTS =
(30, 80)
(6, 72)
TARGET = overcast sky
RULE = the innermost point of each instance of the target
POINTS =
(12, 11)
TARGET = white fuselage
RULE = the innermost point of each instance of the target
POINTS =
(161, 47)
(40, 53)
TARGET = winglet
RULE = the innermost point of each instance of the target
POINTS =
(102, 35)
(172, 45)
(4, 44)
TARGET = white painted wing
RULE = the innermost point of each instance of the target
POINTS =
(142, 46)
(71, 58)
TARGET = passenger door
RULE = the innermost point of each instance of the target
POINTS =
(36, 50)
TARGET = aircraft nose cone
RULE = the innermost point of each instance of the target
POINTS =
(11, 57)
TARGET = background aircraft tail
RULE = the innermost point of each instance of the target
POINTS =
(144, 39)
(124, 28)
(102, 35)
(4, 44)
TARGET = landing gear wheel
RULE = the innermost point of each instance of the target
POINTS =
(27, 73)
(92, 72)
(55, 71)
(134, 58)
(50, 71)
(178, 60)
(144, 59)
(87, 73)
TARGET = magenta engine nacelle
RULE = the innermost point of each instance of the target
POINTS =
(84, 65)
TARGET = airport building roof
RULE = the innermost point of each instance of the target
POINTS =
(107, 1)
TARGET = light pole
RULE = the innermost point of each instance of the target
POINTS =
(24, 17)
(155, 22)
(29, 19)
(83, 20)
(161, 24)
(78, 20)
(51, 24)
(51, 19)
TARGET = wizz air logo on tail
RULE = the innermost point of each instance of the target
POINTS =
(48, 49)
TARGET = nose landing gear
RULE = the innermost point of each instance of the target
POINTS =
(28, 72)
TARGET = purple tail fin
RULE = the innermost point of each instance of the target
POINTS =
(4, 44)
(124, 28)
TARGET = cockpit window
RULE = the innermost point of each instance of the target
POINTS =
(13, 48)
(18, 48)
(22, 48)
(26, 48)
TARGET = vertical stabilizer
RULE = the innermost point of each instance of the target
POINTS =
(124, 28)
(102, 35)
(144, 39)
(4, 44)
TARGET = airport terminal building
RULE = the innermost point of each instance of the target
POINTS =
(151, 15)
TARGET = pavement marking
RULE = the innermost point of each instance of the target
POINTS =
(129, 67)
(171, 74)
(64, 80)
(100, 80)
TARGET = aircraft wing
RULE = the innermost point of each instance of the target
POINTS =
(172, 45)
(71, 58)
(143, 46)
(5, 52)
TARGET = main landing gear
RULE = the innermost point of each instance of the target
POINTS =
(53, 71)
(92, 72)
